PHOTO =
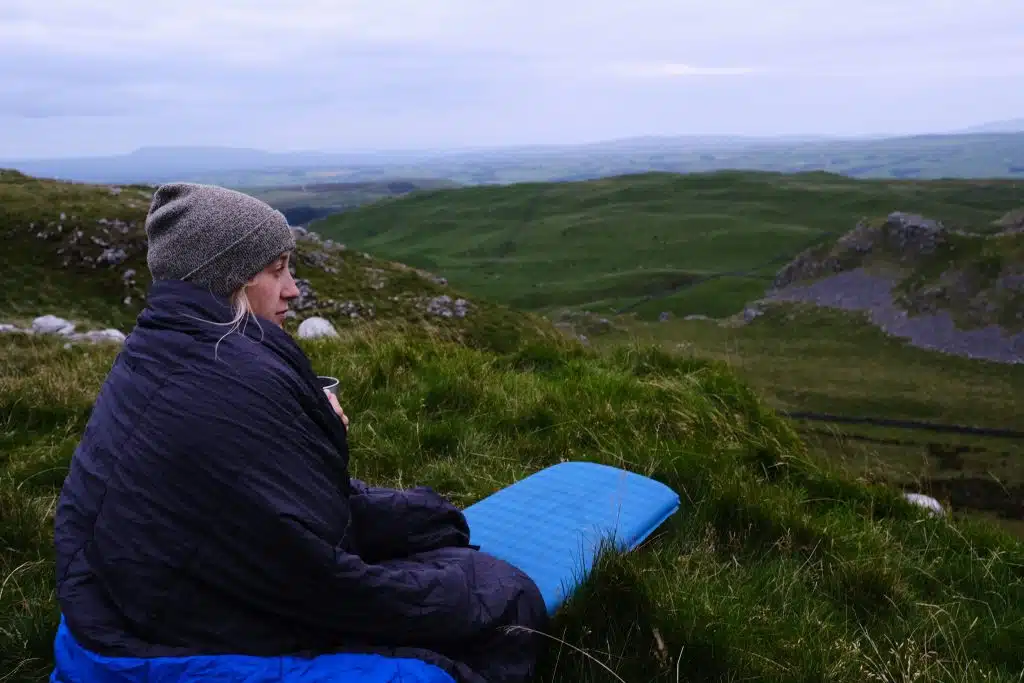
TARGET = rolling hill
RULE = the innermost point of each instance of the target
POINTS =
(302, 204)
(694, 243)
(78, 251)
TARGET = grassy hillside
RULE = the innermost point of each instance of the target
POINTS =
(800, 358)
(79, 251)
(304, 203)
(777, 568)
(786, 561)
(607, 244)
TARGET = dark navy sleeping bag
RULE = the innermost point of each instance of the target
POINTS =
(208, 529)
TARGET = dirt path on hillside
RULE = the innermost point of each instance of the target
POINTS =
(858, 290)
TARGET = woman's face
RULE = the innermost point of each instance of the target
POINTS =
(271, 290)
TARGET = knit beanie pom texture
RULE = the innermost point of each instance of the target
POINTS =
(212, 236)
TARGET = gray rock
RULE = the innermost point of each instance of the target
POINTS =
(664, 316)
(307, 297)
(112, 257)
(51, 324)
(314, 327)
(8, 328)
(910, 234)
(99, 336)
(927, 502)
(444, 307)
(1010, 282)
(752, 312)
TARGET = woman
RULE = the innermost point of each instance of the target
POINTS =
(208, 527)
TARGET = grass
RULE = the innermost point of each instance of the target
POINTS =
(779, 567)
(793, 557)
(609, 243)
(39, 241)
(803, 358)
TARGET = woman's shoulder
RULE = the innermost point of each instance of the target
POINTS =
(241, 365)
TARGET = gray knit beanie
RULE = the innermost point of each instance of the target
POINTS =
(212, 236)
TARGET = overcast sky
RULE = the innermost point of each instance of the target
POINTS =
(108, 76)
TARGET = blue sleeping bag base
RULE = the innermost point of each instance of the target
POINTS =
(75, 664)
(553, 523)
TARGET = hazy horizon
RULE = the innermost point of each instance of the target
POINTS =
(107, 79)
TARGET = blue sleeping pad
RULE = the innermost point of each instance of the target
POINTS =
(553, 523)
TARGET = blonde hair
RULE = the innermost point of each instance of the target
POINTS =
(241, 312)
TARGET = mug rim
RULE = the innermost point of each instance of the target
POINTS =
(333, 383)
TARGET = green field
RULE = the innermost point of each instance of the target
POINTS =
(802, 358)
(607, 244)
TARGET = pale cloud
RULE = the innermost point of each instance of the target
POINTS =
(111, 75)
(663, 70)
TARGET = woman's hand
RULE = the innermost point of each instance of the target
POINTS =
(337, 407)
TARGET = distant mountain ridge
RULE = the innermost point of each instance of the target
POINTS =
(1008, 126)
(994, 150)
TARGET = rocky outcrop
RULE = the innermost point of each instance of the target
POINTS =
(902, 236)
(105, 244)
(59, 327)
(1012, 222)
(445, 307)
(947, 290)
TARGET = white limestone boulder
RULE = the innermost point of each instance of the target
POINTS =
(51, 324)
(927, 502)
(314, 327)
